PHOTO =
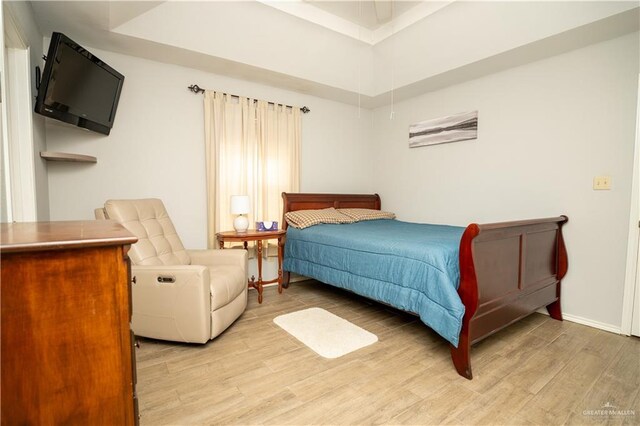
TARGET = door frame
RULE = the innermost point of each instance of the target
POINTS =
(17, 135)
(632, 280)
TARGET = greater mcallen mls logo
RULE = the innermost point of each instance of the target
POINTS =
(609, 409)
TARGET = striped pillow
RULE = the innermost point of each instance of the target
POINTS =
(305, 218)
(366, 214)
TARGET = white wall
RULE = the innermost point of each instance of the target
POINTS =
(156, 148)
(545, 130)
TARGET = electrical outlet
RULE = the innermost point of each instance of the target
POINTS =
(602, 182)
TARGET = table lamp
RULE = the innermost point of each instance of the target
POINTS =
(240, 206)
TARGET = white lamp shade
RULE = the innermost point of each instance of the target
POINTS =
(239, 204)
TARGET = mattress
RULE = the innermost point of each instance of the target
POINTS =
(410, 266)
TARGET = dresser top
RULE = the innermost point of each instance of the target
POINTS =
(36, 236)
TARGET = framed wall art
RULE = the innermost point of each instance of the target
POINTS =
(454, 128)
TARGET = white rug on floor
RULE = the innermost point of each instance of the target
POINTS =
(325, 333)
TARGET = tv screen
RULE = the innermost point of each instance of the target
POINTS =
(77, 87)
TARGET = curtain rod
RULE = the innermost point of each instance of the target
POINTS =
(197, 89)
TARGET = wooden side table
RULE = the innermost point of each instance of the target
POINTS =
(258, 237)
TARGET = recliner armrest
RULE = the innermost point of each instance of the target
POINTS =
(172, 302)
(236, 257)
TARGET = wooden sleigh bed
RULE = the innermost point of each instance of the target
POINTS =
(508, 270)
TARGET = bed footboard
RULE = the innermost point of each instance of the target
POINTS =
(507, 271)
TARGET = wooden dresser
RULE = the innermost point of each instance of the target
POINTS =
(67, 349)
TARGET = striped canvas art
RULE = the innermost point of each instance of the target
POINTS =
(454, 128)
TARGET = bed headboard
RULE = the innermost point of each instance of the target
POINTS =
(301, 201)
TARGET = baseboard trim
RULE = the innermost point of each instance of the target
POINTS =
(298, 278)
(591, 323)
(588, 322)
(572, 318)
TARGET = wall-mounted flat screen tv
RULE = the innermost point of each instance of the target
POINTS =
(77, 87)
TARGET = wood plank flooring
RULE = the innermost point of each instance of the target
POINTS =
(538, 371)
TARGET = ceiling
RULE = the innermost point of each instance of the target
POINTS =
(370, 14)
(359, 52)
(369, 21)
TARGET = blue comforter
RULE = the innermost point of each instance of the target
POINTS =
(411, 266)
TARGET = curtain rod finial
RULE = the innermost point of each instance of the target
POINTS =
(195, 89)
(305, 110)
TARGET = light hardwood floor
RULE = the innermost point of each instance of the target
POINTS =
(537, 371)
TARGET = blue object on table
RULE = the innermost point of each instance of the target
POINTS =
(266, 226)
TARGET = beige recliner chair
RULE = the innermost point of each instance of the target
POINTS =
(178, 295)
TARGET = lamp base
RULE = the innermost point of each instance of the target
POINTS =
(241, 224)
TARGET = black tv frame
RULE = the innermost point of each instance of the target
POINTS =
(48, 111)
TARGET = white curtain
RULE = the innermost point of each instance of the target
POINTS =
(252, 148)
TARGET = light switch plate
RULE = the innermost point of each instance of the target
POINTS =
(602, 183)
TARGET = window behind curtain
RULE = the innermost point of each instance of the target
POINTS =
(252, 148)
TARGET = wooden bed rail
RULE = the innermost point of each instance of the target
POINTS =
(507, 271)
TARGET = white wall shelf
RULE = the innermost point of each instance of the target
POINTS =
(64, 156)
